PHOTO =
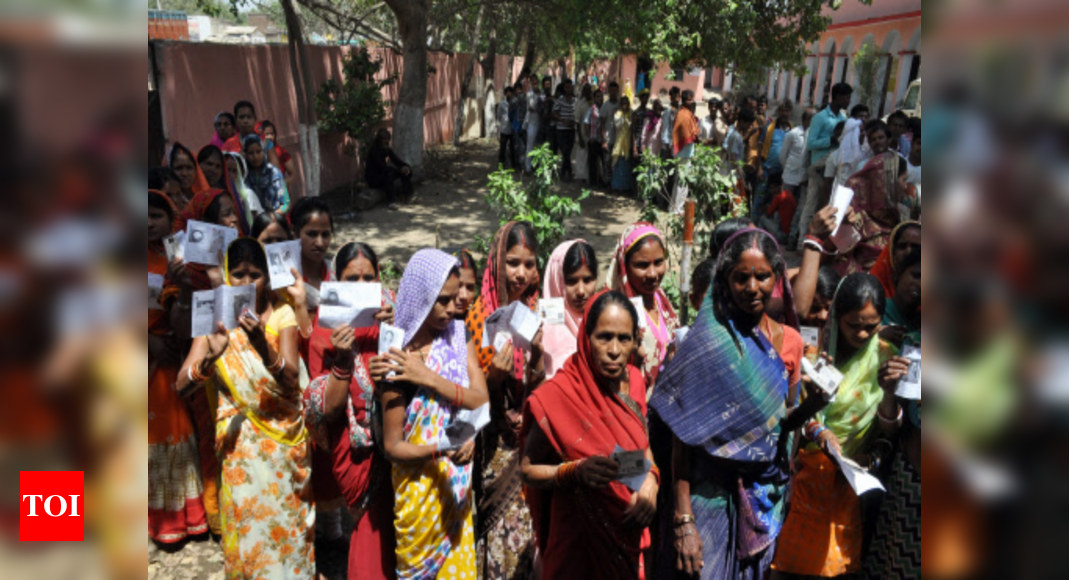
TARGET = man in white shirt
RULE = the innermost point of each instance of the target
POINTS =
(707, 125)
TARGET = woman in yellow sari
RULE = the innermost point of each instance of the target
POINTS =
(258, 378)
(622, 180)
(436, 376)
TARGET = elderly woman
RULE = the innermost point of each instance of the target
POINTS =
(422, 387)
(730, 469)
(590, 525)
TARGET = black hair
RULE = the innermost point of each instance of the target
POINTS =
(673, 91)
(518, 86)
(762, 99)
(903, 166)
(352, 251)
(857, 290)
(509, 89)
(643, 242)
(547, 78)
(877, 125)
(614, 84)
(827, 282)
(467, 261)
(243, 105)
(227, 115)
(723, 231)
(522, 234)
(775, 178)
(587, 92)
(723, 302)
(207, 152)
(898, 115)
(579, 255)
(159, 177)
(246, 250)
(179, 148)
(858, 109)
(841, 89)
(265, 219)
(265, 124)
(913, 258)
(837, 133)
(211, 214)
(687, 94)
(747, 116)
(305, 208)
(156, 200)
(602, 302)
(915, 127)
(566, 81)
(702, 278)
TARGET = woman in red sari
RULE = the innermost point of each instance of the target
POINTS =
(589, 525)
(191, 179)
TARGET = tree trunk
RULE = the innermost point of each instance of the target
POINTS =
(303, 83)
(529, 53)
(412, 99)
(465, 85)
(510, 71)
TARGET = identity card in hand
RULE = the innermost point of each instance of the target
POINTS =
(224, 304)
(633, 467)
(205, 242)
(352, 303)
(824, 375)
(552, 310)
(155, 289)
(909, 386)
(516, 319)
(280, 258)
(860, 480)
(810, 336)
(175, 246)
(466, 425)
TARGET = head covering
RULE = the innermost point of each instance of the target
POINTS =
(582, 419)
(200, 184)
(158, 322)
(425, 275)
(495, 283)
(560, 341)
(241, 208)
(178, 223)
(783, 288)
(884, 268)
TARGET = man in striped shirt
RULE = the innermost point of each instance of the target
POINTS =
(564, 118)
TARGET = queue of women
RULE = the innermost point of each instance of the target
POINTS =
(260, 430)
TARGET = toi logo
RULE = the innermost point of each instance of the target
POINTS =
(52, 505)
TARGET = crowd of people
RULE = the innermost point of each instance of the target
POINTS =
(259, 432)
(786, 171)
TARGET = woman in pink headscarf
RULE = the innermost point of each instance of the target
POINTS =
(637, 269)
(572, 274)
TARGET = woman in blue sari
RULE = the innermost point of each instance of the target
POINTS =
(729, 397)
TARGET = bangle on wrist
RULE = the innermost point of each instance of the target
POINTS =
(894, 421)
(684, 519)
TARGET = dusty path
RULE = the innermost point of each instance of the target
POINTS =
(451, 208)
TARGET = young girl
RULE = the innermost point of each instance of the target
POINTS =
(276, 154)
(314, 226)
(469, 274)
(176, 506)
(505, 536)
(572, 274)
(270, 228)
(265, 179)
(823, 534)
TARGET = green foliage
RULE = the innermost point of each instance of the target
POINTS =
(390, 272)
(714, 198)
(533, 202)
(866, 67)
(354, 107)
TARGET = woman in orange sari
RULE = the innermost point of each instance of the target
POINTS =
(191, 179)
(176, 508)
(589, 524)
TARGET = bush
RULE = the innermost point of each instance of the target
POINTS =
(866, 67)
(533, 202)
(354, 107)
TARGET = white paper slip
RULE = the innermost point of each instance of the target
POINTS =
(640, 308)
(633, 467)
(155, 290)
(840, 200)
(280, 258)
(205, 242)
(681, 335)
(909, 386)
(175, 246)
(551, 310)
(523, 324)
(810, 336)
(352, 303)
(223, 304)
(390, 337)
(824, 375)
(466, 425)
(501, 339)
(860, 481)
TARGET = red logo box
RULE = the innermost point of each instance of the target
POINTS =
(52, 506)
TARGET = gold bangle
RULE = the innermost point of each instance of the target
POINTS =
(684, 519)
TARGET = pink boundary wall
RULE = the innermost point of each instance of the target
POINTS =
(198, 80)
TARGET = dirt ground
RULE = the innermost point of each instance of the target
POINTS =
(450, 209)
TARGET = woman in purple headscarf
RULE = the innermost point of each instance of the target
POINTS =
(436, 375)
